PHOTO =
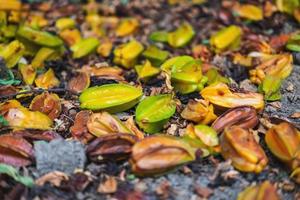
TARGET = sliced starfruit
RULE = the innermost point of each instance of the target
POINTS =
(213, 76)
(103, 123)
(220, 94)
(47, 103)
(240, 146)
(146, 70)
(84, 47)
(156, 155)
(65, 23)
(284, 141)
(199, 112)
(155, 55)
(270, 87)
(226, 39)
(242, 116)
(153, 112)
(263, 191)
(250, 12)
(28, 73)
(70, 36)
(127, 54)
(280, 66)
(39, 37)
(42, 55)
(19, 117)
(47, 80)
(181, 36)
(127, 27)
(111, 97)
(12, 53)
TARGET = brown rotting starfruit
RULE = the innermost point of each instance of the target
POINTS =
(221, 95)
(159, 154)
(240, 146)
(79, 129)
(111, 147)
(15, 150)
(79, 82)
(263, 191)
(47, 80)
(242, 116)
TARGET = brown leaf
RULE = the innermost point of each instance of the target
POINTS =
(55, 178)
(203, 192)
(295, 115)
(7, 90)
(109, 186)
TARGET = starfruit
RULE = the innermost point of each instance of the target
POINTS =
(127, 27)
(12, 53)
(159, 36)
(105, 47)
(111, 97)
(242, 116)
(155, 55)
(287, 6)
(36, 21)
(105, 72)
(15, 150)
(79, 129)
(47, 80)
(28, 73)
(10, 5)
(284, 141)
(84, 47)
(103, 123)
(65, 23)
(111, 147)
(296, 175)
(213, 76)
(226, 39)
(159, 154)
(270, 87)
(41, 56)
(181, 36)
(79, 82)
(146, 70)
(127, 54)
(186, 74)
(22, 118)
(280, 66)
(250, 12)
(47, 103)
(263, 191)
(153, 112)
(199, 111)
(203, 137)
(39, 37)
(221, 95)
(293, 43)
(240, 146)
(70, 36)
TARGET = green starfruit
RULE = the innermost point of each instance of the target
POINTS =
(146, 70)
(84, 47)
(111, 97)
(270, 87)
(12, 53)
(155, 55)
(153, 112)
(181, 36)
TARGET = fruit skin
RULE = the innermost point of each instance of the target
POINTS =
(110, 97)
(240, 146)
(263, 191)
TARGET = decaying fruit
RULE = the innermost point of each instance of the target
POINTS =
(263, 191)
(159, 154)
(240, 146)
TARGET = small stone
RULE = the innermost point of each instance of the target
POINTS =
(290, 87)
